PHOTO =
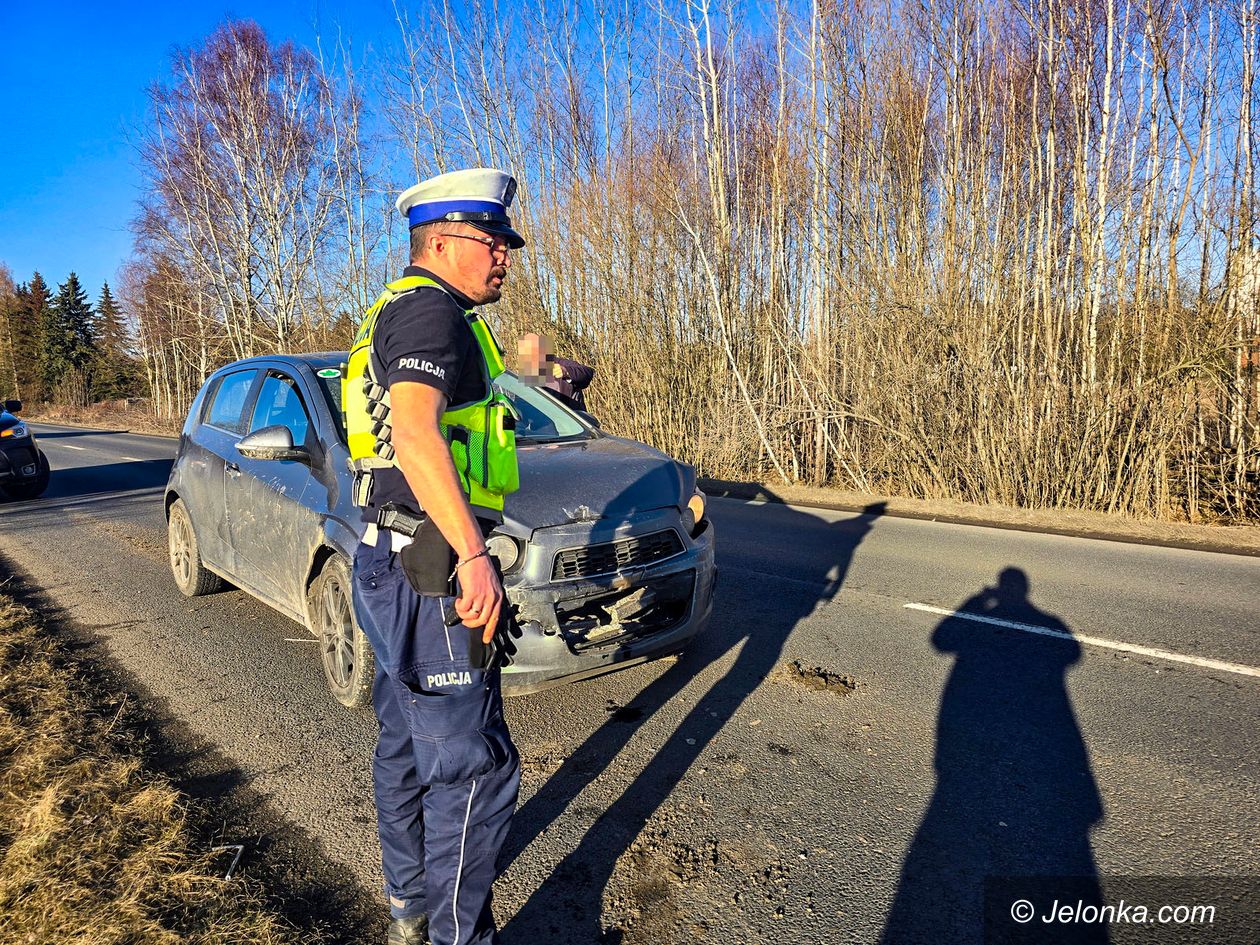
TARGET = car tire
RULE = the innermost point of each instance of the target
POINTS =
(191, 576)
(35, 487)
(347, 657)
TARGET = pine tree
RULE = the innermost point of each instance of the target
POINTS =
(8, 317)
(117, 373)
(31, 312)
(69, 348)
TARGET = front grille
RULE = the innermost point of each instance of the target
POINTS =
(616, 555)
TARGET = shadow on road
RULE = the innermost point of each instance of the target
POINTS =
(567, 907)
(109, 477)
(1015, 794)
(100, 482)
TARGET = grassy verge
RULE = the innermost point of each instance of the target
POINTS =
(95, 849)
(135, 416)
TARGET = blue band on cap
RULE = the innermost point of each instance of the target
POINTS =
(436, 209)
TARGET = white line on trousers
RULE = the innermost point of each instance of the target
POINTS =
(1133, 648)
(459, 872)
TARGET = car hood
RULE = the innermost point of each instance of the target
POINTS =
(603, 477)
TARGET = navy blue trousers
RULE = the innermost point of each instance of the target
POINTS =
(446, 773)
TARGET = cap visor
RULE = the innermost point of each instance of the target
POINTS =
(495, 228)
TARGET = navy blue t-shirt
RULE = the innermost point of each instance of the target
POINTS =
(424, 337)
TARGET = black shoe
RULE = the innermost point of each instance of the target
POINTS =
(413, 931)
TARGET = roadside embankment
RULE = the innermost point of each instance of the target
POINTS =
(1224, 539)
(134, 416)
(95, 848)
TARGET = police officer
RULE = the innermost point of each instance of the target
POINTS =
(432, 446)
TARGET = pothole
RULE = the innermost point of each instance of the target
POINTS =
(815, 677)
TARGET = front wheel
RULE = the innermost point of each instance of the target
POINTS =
(349, 663)
(191, 576)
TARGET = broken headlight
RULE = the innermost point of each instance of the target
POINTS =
(506, 549)
(693, 514)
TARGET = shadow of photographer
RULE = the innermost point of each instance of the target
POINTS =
(1015, 793)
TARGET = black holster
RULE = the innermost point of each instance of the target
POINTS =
(428, 562)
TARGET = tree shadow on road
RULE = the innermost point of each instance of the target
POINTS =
(1015, 794)
(567, 907)
(108, 477)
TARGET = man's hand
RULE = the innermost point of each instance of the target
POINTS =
(425, 460)
(480, 596)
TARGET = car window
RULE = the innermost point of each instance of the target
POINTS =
(329, 378)
(227, 408)
(280, 404)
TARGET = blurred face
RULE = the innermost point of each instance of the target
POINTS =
(473, 262)
(534, 358)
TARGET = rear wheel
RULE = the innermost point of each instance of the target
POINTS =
(349, 663)
(191, 576)
(32, 488)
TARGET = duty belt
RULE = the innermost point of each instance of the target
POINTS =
(400, 525)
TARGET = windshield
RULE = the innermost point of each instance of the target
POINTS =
(541, 418)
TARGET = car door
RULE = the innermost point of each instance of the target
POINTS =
(272, 529)
(212, 444)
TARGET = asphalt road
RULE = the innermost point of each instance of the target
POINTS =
(725, 796)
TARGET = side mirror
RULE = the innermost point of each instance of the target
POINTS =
(273, 443)
(12, 406)
(589, 419)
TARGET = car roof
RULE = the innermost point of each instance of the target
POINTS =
(314, 360)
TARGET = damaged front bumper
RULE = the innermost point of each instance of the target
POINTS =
(653, 592)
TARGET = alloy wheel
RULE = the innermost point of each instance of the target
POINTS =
(181, 548)
(337, 632)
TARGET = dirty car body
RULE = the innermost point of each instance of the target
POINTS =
(605, 560)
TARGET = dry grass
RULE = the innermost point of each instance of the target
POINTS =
(94, 849)
(135, 416)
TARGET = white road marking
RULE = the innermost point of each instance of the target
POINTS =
(1133, 648)
(82, 449)
(300, 640)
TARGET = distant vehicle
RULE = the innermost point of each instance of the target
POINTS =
(24, 469)
(605, 550)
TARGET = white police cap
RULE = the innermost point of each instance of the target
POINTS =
(479, 197)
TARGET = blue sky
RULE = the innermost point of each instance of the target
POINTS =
(74, 76)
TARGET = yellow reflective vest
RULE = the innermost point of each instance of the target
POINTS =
(481, 434)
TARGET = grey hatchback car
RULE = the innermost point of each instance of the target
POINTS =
(605, 549)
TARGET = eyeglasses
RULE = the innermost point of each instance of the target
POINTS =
(496, 247)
